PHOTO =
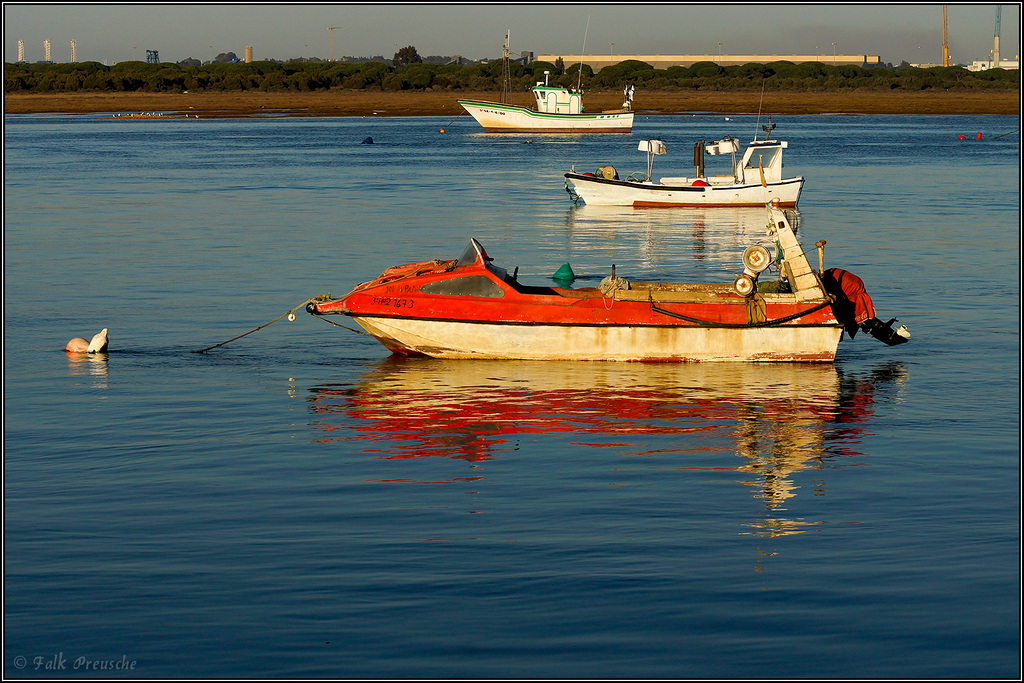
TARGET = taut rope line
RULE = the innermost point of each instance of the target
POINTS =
(344, 327)
(257, 329)
(452, 121)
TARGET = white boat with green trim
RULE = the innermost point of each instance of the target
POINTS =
(558, 110)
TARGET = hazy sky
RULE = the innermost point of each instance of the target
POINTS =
(112, 33)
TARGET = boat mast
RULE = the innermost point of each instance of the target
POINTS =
(506, 74)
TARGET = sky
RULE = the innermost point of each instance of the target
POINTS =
(117, 32)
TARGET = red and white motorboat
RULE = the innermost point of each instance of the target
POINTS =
(470, 308)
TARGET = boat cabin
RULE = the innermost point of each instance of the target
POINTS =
(555, 99)
(760, 154)
(551, 100)
(764, 154)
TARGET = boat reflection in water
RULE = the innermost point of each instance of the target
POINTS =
(686, 242)
(780, 419)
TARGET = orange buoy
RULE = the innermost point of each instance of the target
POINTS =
(77, 345)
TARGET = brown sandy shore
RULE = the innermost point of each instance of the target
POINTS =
(443, 103)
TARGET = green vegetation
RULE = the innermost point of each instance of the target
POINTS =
(138, 76)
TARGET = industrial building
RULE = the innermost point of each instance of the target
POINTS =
(598, 62)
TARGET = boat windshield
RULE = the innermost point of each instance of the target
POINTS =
(470, 255)
(766, 155)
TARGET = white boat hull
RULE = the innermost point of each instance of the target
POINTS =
(506, 118)
(598, 191)
(677, 343)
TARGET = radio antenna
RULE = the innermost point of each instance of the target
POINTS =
(761, 102)
(579, 80)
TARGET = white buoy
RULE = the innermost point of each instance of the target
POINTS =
(99, 342)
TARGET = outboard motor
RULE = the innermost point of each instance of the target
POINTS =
(884, 332)
(855, 310)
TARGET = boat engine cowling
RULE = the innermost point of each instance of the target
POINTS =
(854, 309)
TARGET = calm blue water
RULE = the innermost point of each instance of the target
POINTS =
(299, 504)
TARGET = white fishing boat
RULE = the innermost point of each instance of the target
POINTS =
(755, 178)
(557, 110)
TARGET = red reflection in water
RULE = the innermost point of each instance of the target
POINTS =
(476, 410)
(779, 419)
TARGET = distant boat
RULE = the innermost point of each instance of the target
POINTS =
(558, 110)
(757, 177)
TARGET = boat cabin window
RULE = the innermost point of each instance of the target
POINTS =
(766, 154)
(470, 285)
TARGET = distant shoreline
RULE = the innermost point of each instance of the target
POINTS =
(241, 104)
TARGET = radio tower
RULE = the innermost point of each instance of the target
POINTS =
(74, 57)
(21, 51)
(995, 47)
(46, 50)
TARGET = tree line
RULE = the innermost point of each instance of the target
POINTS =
(405, 73)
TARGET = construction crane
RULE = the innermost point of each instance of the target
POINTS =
(945, 39)
(332, 29)
(995, 46)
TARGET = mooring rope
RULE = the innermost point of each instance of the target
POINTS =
(346, 327)
(258, 328)
(572, 195)
(452, 121)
